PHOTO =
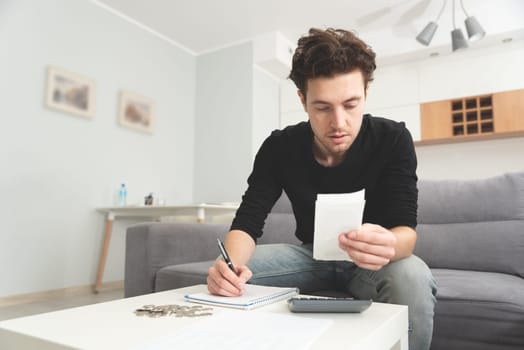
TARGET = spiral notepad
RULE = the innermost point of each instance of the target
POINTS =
(254, 296)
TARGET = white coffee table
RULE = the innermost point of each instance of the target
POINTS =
(113, 325)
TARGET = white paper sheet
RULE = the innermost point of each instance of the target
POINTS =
(335, 214)
(244, 330)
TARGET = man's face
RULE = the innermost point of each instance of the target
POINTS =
(335, 107)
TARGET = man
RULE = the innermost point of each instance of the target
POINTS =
(339, 150)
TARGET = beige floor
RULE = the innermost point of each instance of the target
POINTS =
(64, 302)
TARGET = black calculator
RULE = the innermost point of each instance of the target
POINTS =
(328, 305)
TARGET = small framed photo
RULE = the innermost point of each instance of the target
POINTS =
(70, 92)
(136, 112)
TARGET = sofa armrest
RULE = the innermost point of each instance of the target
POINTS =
(151, 246)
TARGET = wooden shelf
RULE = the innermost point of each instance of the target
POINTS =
(466, 114)
(469, 118)
(471, 138)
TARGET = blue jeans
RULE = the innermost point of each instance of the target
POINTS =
(407, 281)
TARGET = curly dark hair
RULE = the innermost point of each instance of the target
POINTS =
(326, 53)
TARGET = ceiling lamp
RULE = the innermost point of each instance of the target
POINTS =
(426, 35)
(458, 41)
(473, 27)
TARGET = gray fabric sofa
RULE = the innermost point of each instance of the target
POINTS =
(470, 233)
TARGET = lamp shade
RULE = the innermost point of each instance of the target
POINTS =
(458, 41)
(427, 33)
(474, 29)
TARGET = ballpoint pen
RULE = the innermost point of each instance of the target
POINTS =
(225, 255)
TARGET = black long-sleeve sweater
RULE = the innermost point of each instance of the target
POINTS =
(381, 160)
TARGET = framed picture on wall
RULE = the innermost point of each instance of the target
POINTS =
(136, 112)
(70, 92)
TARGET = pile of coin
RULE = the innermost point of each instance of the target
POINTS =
(176, 310)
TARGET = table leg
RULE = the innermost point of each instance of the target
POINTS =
(105, 248)
(201, 215)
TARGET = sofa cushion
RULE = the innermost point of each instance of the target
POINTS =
(279, 228)
(282, 205)
(494, 246)
(472, 224)
(497, 198)
(182, 275)
(473, 308)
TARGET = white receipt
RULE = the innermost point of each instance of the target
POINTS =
(335, 214)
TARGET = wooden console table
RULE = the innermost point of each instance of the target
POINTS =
(153, 212)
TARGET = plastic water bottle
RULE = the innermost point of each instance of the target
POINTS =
(122, 195)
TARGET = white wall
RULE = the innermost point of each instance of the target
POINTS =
(266, 107)
(291, 110)
(57, 168)
(223, 125)
(471, 160)
(237, 108)
(394, 94)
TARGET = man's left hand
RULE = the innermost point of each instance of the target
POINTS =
(370, 247)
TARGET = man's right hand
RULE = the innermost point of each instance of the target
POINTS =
(222, 281)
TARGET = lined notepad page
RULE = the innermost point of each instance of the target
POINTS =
(254, 296)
